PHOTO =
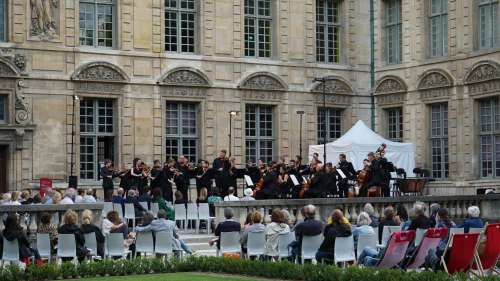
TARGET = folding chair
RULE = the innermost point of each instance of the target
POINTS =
(256, 244)
(419, 235)
(476, 230)
(283, 241)
(115, 246)
(106, 208)
(455, 230)
(310, 245)
(164, 241)
(154, 209)
(364, 241)
(144, 205)
(43, 245)
(204, 214)
(460, 251)
(10, 251)
(144, 243)
(130, 214)
(491, 252)
(91, 244)
(119, 209)
(192, 214)
(180, 214)
(66, 247)
(386, 233)
(396, 249)
(431, 240)
(229, 242)
(344, 250)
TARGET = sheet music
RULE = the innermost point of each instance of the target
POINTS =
(304, 178)
(248, 180)
(294, 180)
(342, 175)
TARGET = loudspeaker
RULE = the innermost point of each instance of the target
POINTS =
(73, 182)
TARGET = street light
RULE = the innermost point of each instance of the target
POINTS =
(323, 80)
(72, 179)
(300, 113)
(231, 114)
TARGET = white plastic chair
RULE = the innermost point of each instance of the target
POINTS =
(130, 214)
(106, 208)
(164, 242)
(55, 219)
(419, 235)
(364, 241)
(119, 209)
(10, 251)
(344, 250)
(204, 214)
(283, 241)
(180, 214)
(230, 242)
(66, 246)
(310, 245)
(91, 244)
(144, 205)
(386, 233)
(192, 214)
(256, 244)
(154, 209)
(144, 243)
(476, 230)
(114, 246)
(43, 245)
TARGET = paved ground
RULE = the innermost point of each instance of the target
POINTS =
(199, 242)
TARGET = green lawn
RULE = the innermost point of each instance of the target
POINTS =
(175, 277)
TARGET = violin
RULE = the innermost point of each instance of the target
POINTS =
(259, 186)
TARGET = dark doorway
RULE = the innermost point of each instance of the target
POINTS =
(3, 168)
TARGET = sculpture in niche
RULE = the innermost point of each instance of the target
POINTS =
(482, 73)
(434, 80)
(22, 112)
(185, 77)
(99, 72)
(263, 82)
(390, 85)
(43, 18)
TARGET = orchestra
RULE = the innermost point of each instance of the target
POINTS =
(276, 180)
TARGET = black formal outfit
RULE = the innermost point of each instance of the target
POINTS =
(386, 168)
(107, 176)
(420, 221)
(138, 180)
(165, 185)
(285, 187)
(254, 173)
(155, 178)
(319, 185)
(271, 187)
(348, 169)
(226, 226)
(381, 225)
(331, 232)
(81, 251)
(221, 170)
(182, 180)
(204, 179)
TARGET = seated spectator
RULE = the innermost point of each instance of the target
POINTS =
(403, 217)
(228, 225)
(248, 192)
(230, 196)
(202, 196)
(248, 221)
(368, 208)
(5, 199)
(473, 220)
(47, 227)
(288, 219)
(26, 198)
(421, 220)
(256, 226)
(387, 220)
(69, 194)
(434, 208)
(48, 197)
(338, 228)
(70, 227)
(132, 199)
(13, 231)
(118, 198)
(146, 195)
(273, 230)
(162, 204)
(89, 196)
(147, 218)
(88, 227)
(309, 227)
(117, 226)
(363, 227)
(14, 200)
(56, 198)
(164, 224)
(79, 196)
(37, 199)
(443, 219)
(179, 198)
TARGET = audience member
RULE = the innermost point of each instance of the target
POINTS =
(79, 196)
(162, 204)
(89, 197)
(133, 199)
(421, 220)
(339, 227)
(69, 227)
(26, 198)
(13, 231)
(309, 227)
(368, 208)
(363, 227)
(273, 231)
(443, 219)
(248, 195)
(56, 198)
(403, 217)
(146, 195)
(69, 196)
(14, 199)
(47, 227)
(231, 196)
(473, 220)
(255, 227)
(387, 220)
(202, 196)
(118, 197)
(88, 227)
(179, 198)
(434, 208)
(228, 225)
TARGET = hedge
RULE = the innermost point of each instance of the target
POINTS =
(279, 270)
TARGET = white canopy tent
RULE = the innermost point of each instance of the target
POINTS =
(359, 141)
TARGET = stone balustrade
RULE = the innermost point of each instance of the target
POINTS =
(456, 206)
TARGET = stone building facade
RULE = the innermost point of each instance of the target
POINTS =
(154, 78)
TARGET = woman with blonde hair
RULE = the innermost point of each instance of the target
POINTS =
(88, 227)
(69, 226)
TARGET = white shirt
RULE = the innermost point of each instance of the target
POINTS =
(66, 200)
(231, 197)
(88, 199)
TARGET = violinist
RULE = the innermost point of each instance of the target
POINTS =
(138, 175)
(204, 178)
(271, 189)
(230, 179)
(319, 183)
(155, 175)
(107, 174)
(166, 179)
(181, 178)
(348, 169)
(284, 182)
(253, 171)
(376, 172)
(386, 169)
(221, 169)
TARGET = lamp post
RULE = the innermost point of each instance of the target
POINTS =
(72, 179)
(231, 114)
(300, 113)
(323, 89)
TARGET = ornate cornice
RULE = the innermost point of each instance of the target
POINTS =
(186, 77)
(389, 85)
(100, 72)
(264, 81)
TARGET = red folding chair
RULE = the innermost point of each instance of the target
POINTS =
(396, 248)
(431, 240)
(460, 252)
(487, 261)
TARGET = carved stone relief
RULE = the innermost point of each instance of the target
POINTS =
(483, 72)
(262, 96)
(100, 72)
(390, 85)
(334, 99)
(333, 86)
(98, 87)
(484, 87)
(44, 19)
(262, 81)
(185, 77)
(434, 80)
(190, 92)
(437, 93)
(22, 106)
(391, 99)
